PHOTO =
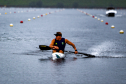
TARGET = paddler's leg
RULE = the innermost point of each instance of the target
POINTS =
(60, 51)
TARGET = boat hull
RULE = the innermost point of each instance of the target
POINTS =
(57, 55)
(111, 13)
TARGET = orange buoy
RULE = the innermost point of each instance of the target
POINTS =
(121, 32)
(112, 26)
(29, 19)
(11, 25)
(33, 17)
(101, 20)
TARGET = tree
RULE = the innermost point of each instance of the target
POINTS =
(75, 5)
(35, 4)
(39, 3)
(32, 4)
(60, 5)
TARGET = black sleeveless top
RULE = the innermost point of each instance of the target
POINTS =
(61, 44)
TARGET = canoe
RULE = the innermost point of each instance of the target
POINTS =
(57, 55)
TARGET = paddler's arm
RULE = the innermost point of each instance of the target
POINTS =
(72, 44)
(52, 45)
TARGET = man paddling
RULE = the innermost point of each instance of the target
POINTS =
(58, 46)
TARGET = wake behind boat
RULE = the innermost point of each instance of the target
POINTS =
(111, 12)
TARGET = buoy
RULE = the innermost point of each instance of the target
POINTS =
(5, 13)
(41, 15)
(106, 23)
(10, 12)
(101, 20)
(11, 25)
(0, 13)
(95, 17)
(38, 16)
(98, 18)
(46, 14)
(29, 19)
(14, 12)
(112, 26)
(21, 21)
(33, 17)
(121, 32)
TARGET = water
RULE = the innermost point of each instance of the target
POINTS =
(21, 61)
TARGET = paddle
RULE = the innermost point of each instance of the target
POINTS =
(89, 55)
(44, 47)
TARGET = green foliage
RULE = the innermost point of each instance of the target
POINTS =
(60, 5)
(32, 4)
(39, 3)
(35, 4)
(64, 3)
(75, 5)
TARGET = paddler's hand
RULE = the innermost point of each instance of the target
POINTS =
(55, 47)
(76, 52)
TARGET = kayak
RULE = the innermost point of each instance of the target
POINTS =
(57, 55)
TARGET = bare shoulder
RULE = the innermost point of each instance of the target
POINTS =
(69, 42)
(53, 40)
(66, 41)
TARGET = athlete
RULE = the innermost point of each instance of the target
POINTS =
(58, 44)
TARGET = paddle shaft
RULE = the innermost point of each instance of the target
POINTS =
(89, 55)
(45, 47)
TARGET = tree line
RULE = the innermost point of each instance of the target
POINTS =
(64, 3)
(58, 5)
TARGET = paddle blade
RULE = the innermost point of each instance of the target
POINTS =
(44, 47)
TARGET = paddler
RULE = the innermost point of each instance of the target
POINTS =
(58, 45)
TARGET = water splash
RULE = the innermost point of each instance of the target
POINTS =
(106, 49)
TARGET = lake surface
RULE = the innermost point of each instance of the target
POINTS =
(22, 62)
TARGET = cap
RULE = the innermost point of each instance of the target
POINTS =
(58, 34)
